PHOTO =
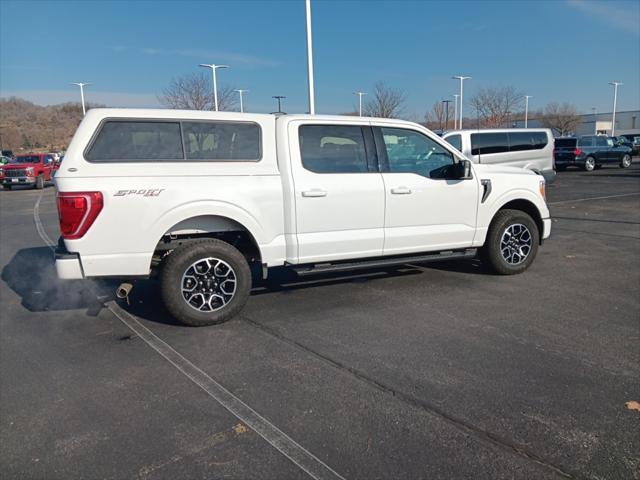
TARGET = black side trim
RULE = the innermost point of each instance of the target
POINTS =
(370, 149)
(381, 150)
(486, 184)
(376, 262)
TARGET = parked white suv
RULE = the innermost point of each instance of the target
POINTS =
(202, 197)
(530, 148)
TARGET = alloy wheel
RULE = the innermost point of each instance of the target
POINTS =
(515, 244)
(208, 284)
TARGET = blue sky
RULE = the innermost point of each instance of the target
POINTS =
(553, 50)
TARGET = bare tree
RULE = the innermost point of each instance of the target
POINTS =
(385, 102)
(436, 118)
(194, 92)
(562, 119)
(495, 105)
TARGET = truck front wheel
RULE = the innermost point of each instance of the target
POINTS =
(205, 283)
(512, 242)
(39, 182)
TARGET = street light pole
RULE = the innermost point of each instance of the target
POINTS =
(240, 92)
(526, 110)
(279, 97)
(213, 68)
(595, 120)
(360, 94)
(446, 113)
(615, 100)
(462, 79)
(312, 102)
(455, 112)
(82, 85)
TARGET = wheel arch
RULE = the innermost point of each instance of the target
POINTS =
(527, 207)
(221, 227)
(219, 220)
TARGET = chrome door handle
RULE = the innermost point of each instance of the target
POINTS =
(401, 191)
(314, 193)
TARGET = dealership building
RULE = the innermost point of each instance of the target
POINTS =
(627, 123)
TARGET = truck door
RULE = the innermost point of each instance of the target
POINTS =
(338, 191)
(424, 211)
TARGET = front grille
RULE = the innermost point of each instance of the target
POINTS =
(15, 172)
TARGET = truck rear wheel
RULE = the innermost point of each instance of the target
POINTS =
(512, 242)
(205, 282)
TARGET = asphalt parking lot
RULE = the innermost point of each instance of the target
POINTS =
(424, 371)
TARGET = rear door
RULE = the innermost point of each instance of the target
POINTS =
(424, 211)
(564, 150)
(339, 193)
(604, 149)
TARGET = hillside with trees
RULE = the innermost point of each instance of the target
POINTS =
(25, 126)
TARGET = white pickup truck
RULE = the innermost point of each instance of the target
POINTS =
(202, 198)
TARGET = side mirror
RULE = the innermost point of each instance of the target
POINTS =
(461, 170)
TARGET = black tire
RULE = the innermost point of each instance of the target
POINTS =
(625, 162)
(561, 169)
(39, 182)
(7, 187)
(589, 164)
(182, 260)
(491, 252)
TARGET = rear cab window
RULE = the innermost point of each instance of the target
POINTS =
(333, 148)
(221, 141)
(167, 141)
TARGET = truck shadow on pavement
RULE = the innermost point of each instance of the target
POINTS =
(31, 275)
(144, 300)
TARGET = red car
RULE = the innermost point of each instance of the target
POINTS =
(30, 169)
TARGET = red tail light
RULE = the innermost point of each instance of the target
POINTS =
(77, 212)
(577, 152)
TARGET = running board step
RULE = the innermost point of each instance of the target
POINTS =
(383, 262)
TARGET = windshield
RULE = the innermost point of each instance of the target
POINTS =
(27, 159)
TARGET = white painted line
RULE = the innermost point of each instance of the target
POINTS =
(594, 198)
(295, 452)
(39, 227)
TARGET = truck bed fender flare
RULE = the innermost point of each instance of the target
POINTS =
(223, 214)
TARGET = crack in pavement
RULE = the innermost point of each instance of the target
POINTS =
(459, 423)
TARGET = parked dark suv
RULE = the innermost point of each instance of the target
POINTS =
(590, 152)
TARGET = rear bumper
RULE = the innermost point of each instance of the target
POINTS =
(567, 161)
(68, 265)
